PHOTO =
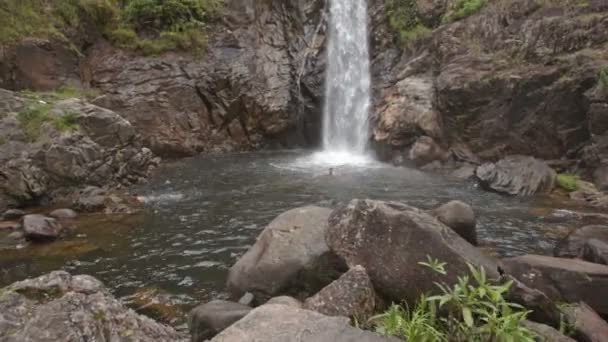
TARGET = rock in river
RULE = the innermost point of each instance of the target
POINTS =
(460, 217)
(517, 175)
(62, 307)
(290, 253)
(209, 319)
(39, 227)
(390, 239)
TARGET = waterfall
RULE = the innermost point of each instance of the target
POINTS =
(347, 95)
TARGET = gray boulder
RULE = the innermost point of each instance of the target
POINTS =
(517, 175)
(352, 295)
(63, 214)
(460, 217)
(91, 199)
(595, 251)
(425, 150)
(572, 245)
(588, 325)
(61, 307)
(209, 319)
(289, 255)
(281, 323)
(567, 280)
(390, 239)
(13, 214)
(39, 227)
(546, 333)
(285, 300)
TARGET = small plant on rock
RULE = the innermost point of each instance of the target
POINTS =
(603, 78)
(474, 309)
(461, 9)
(568, 182)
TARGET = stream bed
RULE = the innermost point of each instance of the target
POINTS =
(202, 213)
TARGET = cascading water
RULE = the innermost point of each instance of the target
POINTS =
(347, 97)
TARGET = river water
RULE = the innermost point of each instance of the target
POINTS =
(202, 213)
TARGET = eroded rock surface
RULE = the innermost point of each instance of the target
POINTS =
(517, 175)
(62, 307)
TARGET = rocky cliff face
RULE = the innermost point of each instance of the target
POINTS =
(517, 77)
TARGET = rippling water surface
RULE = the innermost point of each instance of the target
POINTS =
(202, 213)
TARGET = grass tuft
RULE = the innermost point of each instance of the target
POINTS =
(461, 9)
(568, 182)
(403, 18)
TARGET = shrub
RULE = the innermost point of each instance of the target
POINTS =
(463, 8)
(403, 19)
(167, 14)
(32, 118)
(568, 182)
(473, 309)
(66, 122)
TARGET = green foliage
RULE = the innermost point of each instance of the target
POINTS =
(146, 26)
(2, 141)
(568, 182)
(463, 8)
(435, 265)
(33, 117)
(474, 309)
(565, 326)
(403, 18)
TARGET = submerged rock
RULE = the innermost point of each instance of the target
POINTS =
(517, 175)
(62, 307)
(39, 227)
(157, 304)
(290, 254)
(391, 239)
(352, 295)
(460, 217)
(209, 319)
(568, 280)
(282, 323)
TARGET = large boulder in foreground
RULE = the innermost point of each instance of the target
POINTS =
(390, 239)
(588, 325)
(290, 255)
(352, 295)
(62, 307)
(517, 175)
(282, 323)
(209, 319)
(567, 280)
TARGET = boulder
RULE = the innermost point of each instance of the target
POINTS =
(285, 300)
(391, 239)
(569, 280)
(589, 326)
(91, 199)
(425, 151)
(289, 255)
(352, 295)
(281, 323)
(13, 214)
(543, 309)
(460, 217)
(62, 307)
(595, 251)
(600, 177)
(209, 319)
(517, 175)
(572, 245)
(63, 214)
(547, 333)
(39, 227)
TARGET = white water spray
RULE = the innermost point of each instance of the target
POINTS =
(347, 96)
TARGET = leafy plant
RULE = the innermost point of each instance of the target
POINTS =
(603, 78)
(473, 309)
(568, 182)
(461, 9)
(435, 265)
(403, 18)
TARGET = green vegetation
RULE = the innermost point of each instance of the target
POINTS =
(474, 309)
(37, 112)
(568, 182)
(146, 26)
(463, 8)
(403, 18)
(2, 141)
